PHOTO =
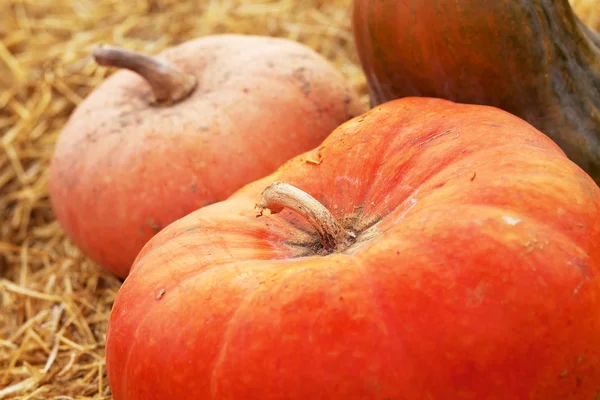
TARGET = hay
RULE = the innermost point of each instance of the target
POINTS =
(55, 303)
(589, 11)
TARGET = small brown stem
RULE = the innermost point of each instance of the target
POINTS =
(169, 84)
(280, 195)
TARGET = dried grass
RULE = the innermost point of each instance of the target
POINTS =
(55, 303)
(589, 11)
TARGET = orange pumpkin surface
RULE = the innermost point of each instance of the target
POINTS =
(190, 127)
(450, 251)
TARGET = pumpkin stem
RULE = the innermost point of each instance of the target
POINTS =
(169, 84)
(280, 195)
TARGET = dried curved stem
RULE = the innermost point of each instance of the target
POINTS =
(280, 195)
(169, 84)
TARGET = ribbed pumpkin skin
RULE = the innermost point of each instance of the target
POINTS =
(532, 58)
(123, 170)
(475, 274)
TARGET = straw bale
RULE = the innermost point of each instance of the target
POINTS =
(54, 302)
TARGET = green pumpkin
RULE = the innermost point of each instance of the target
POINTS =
(533, 58)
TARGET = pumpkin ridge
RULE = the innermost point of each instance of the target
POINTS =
(431, 186)
(133, 344)
(225, 338)
(512, 218)
(368, 287)
(377, 172)
(277, 289)
(181, 239)
(559, 239)
(556, 225)
(360, 228)
(283, 275)
(471, 156)
(150, 312)
(458, 159)
(417, 158)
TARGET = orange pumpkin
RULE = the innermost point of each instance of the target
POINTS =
(185, 129)
(532, 58)
(425, 249)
